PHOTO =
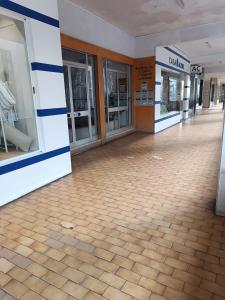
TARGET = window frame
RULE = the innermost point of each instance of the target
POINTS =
(33, 86)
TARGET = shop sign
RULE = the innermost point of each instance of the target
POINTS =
(196, 69)
(176, 62)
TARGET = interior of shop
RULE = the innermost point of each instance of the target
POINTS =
(172, 92)
(18, 132)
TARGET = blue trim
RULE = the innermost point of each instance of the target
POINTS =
(178, 54)
(158, 83)
(185, 99)
(52, 112)
(167, 117)
(185, 111)
(29, 12)
(170, 67)
(36, 66)
(157, 102)
(186, 86)
(33, 160)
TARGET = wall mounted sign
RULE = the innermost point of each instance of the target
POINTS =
(196, 69)
(144, 81)
(176, 63)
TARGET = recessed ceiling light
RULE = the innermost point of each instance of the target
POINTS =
(208, 44)
(180, 3)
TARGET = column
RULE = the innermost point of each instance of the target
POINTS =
(186, 99)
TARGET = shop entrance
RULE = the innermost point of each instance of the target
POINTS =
(118, 97)
(82, 117)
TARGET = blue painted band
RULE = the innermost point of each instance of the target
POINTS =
(33, 160)
(170, 67)
(52, 112)
(36, 66)
(185, 111)
(29, 12)
(167, 117)
(186, 99)
(178, 54)
(157, 102)
(158, 83)
(186, 86)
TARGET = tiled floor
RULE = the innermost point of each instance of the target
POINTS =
(142, 208)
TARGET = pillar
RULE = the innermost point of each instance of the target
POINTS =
(186, 99)
(220, 202)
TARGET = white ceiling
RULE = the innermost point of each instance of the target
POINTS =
(209, 52)
(143, 17)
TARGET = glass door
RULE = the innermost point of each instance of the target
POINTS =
(118, 106)
(78, 89)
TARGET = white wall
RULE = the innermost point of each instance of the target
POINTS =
(163, 55)
(220, 204)
(44, 47)
(83, 25)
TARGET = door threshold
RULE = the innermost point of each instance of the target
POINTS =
(82, 148)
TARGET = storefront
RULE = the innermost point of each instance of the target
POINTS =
(59, 94)
(34, 143)
(172, 89)
(98, 93)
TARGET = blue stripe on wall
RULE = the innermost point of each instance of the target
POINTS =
(157, 101)
(158, 83)
(167, 117)
(178, 54)
(185, 99)
(185, 111)
(52, 111)
(36, 66)
(29, 12)
(170, 67)
(33, 160)
(186, 86)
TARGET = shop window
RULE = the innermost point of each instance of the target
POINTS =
(18, 132)
(117, 96)
(172, 92)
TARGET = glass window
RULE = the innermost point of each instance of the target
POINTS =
(172, 91)
(74, 56)
(117, 79)
(18, 132)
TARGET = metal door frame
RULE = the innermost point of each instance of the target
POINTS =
(118, 108)
(72, 112)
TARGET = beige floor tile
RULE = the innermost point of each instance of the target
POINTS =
(144, 225)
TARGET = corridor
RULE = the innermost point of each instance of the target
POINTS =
(140, 213)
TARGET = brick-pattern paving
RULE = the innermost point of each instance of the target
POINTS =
(144, 227)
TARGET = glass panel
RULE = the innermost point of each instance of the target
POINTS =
(18, 132)
(82, 128)
(112, 89)
(117, 79)
(70, 129)
(92, 95)
(73, 56)
(67, 88)
(123, 89)
(124, 118)
(79, 89)
(171, 92)
(113, 121)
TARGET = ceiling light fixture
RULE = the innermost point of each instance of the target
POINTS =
(180, 3)
(208, 45)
